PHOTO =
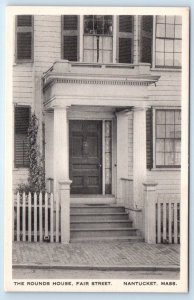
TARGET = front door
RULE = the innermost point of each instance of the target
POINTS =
(85, 146)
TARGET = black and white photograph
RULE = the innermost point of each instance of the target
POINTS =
(97, 149)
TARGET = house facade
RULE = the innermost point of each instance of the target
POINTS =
(107, 93)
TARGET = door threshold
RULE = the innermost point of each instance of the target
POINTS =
(92, 199)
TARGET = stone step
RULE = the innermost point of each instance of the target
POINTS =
(97, 216)
(97, 209)
(130, 239)
(103, 232)
(101, 224)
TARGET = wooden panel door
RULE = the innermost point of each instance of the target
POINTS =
(85, 159)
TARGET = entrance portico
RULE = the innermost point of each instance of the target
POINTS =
(80, 102)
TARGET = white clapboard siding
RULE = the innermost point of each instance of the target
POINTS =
(36, 218)
(167, 218)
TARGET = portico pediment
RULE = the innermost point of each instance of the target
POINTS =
(77, 83)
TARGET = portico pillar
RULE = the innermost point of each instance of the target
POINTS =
(61, 145)
(61, 169)
(139, 154)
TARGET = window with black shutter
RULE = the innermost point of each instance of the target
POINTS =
(22, 119)
(24, 38)
(70, 37)
(125, 39)
(146, 39)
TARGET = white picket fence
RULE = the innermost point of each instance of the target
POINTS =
(36, 218)
(168, 218)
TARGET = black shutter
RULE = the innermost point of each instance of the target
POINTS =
(70, 37)
(24, 45)
(125, 50)
(149, 139)
(125, 39)
(146, 39)
(24, 37)
(22, 119)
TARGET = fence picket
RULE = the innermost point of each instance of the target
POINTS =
(18, 218)
(57, 218)
(35, 217)
(164, 220)
(29, 217)
(51, 218)
(170, 222)
(175, 223)
(24, 217)
(40, 217)
(159, 223)
(46, 215)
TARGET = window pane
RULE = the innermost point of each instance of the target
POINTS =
(160, 131)
(169, 31)
(177, 117)
(177, 59)
(169, 131)
(107, 56)
(160, 45)
(160, 19)
(159, 159)
(108, 25)
(177, 131)
(98, 24)
(106, 43)
(169, 59)
(178, 31)
(177, 145)
(88, 42)
(169, 159)
(168, 45)
(177, 157)
(178, 20)
(177, 45)
(88, 24)
(169, 145)
(170, 117)
(70, 48)
(159, 59)
(170, 19)
(160, 31)
(160, 117)
(159, 145)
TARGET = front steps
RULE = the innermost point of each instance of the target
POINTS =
(101, 222)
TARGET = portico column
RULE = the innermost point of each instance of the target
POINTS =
(139, 154)
(61, 152)
(61, 169)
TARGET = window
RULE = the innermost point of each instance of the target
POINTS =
(98, 38)
(146, 39)
(70, 37)
(168, 41)
(167, 138)
(24, 38)
(125, 39)
(22, 119)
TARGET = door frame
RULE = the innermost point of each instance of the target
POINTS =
(103, 116)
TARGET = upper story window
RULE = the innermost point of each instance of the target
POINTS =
(168, 41)
(96, 36)
(24, 38)
(167, 138)
(98, 39)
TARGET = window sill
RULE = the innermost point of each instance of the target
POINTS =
(165, 169)
(166, 69)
